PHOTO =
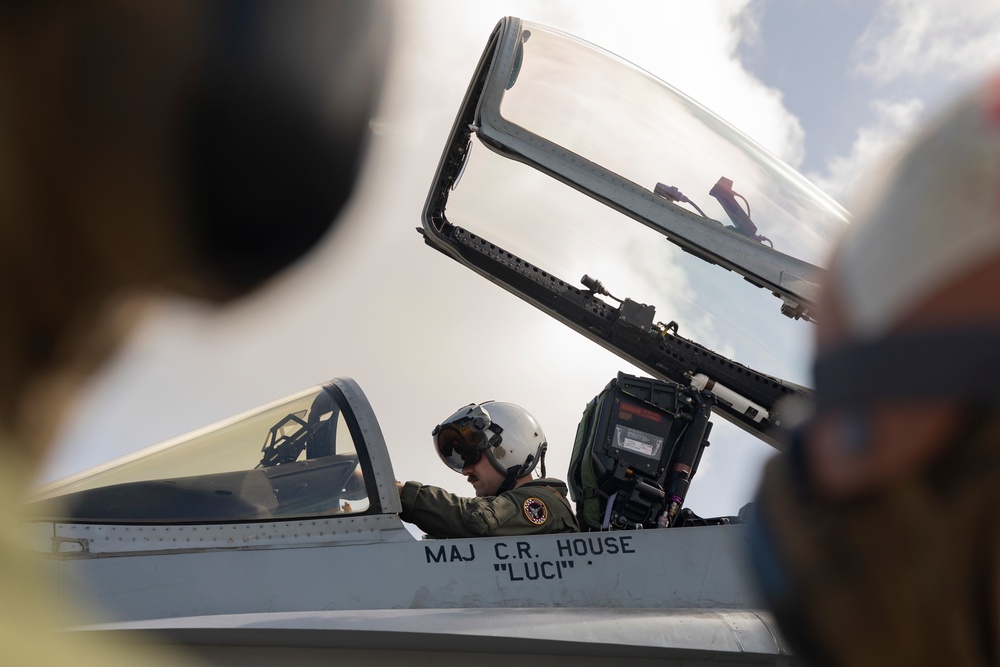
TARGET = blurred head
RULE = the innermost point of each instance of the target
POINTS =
(884, 490)
(912, 289)
(188, 147)
(493, 444)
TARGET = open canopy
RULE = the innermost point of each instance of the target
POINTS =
(653, 193)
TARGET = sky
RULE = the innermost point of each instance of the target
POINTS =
(831, 87)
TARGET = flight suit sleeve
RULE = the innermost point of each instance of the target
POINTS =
(518, 512)
(443, 514)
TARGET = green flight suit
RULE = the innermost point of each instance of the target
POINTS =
(539, 506)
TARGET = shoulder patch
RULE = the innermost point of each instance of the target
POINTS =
(536, 511)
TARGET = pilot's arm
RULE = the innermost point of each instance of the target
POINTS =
(442, 514)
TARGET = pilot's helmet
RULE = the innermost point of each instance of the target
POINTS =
(506, 433)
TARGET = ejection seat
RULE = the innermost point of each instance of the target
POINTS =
(637, 448)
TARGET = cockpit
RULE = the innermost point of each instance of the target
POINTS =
(318, 454)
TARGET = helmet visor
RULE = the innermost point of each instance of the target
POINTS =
(460, 441)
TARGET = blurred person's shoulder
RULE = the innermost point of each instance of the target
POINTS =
(35, 629)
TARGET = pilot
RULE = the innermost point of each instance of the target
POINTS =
(496, 446)
(192, 148)
(877, 541)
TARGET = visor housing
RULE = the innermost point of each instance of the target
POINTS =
(462, 438)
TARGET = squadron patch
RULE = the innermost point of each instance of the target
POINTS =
(536, 511)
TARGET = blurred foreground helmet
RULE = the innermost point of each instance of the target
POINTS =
(214, 139)
(505, 433)
(278, 115)
(194, 147)
(875, 542)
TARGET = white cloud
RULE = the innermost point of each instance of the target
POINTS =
(694, 47)
(893, 122)
(920, 38)
(924, 51)
(691, 45)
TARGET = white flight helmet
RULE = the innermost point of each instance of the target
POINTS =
(509, 436)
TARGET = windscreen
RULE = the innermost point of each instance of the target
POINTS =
(296, 457)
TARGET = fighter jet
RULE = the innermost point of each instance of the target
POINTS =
(274, 536)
